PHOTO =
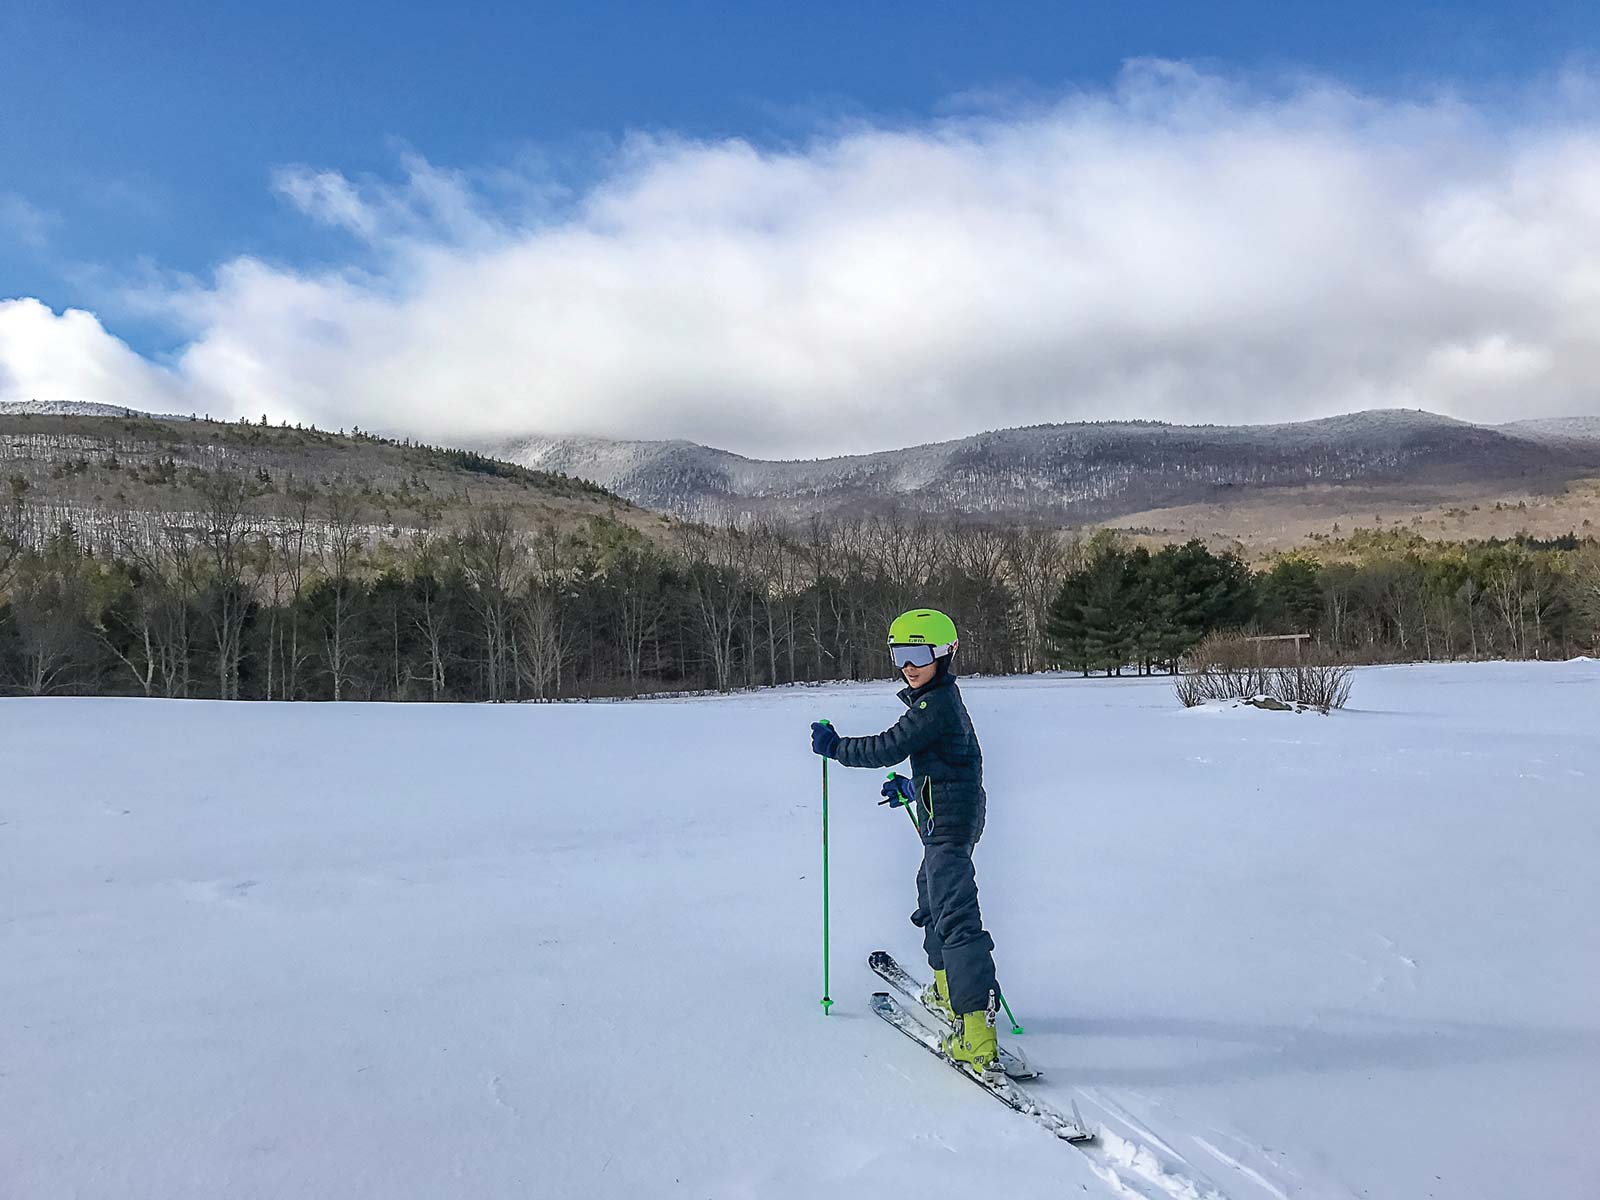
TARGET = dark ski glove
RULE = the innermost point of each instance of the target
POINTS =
(897, 791)
(824, 740)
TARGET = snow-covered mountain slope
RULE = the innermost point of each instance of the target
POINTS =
(1078, 471)
(574, 950)
(1561, 431)
(74, 408)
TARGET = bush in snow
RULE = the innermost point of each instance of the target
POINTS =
(1229, 666)
(1321, 686)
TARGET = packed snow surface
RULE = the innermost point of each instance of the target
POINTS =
(258, 950)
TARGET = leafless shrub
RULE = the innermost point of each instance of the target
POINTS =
(1189, 688)
(1229, 666)
(1224, 666)
(1321, 686)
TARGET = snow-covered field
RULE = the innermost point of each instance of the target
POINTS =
(546, 951)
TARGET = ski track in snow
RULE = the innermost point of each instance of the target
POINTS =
(1132, 1169)
(1249, 1173)
(1139, 1162)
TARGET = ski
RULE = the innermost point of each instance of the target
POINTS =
(1071, 1129)
(882, 962)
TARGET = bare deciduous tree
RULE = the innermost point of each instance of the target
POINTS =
(714, 562)
(295, 551)
(225, 595)
(493, 561)
(14, 524)
(1586, 591)
(1037, 562)
(641, 605)
(341, 547)
(432, 618)
(50, 601)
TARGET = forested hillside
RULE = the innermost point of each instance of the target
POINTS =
(94, 473)
(493, 609)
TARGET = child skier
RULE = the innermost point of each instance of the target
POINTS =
(946, 788)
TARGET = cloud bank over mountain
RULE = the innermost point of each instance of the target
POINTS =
(1183, 246)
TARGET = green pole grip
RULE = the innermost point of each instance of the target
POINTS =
(827, 1001)
(911, 816)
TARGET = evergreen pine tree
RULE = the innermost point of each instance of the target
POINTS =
(1108, 622)
(1291, 595)
(1064, 629)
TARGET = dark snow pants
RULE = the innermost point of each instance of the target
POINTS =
(952, 927)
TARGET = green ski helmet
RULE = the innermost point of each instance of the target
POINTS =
(923, 627)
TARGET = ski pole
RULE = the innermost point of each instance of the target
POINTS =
(1015, 1028)
(827, 1002)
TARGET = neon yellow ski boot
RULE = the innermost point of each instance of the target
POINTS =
(936, 997)
(973, 1044)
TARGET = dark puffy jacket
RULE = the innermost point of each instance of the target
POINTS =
(946, 763)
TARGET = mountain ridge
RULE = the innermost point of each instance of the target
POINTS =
(1222, 480)
(1078, 471)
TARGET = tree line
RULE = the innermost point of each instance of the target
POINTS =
(304, 601)
(1371, 597)
(299, 595)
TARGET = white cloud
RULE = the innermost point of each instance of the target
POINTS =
(1181, 247)
(325, 196)
(24, 221)
(44, 356)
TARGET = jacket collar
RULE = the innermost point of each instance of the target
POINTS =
(911, 695)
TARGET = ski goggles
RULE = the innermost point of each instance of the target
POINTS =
(916, 656)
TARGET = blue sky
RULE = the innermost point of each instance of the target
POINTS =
(142, 146)
(149, 131)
